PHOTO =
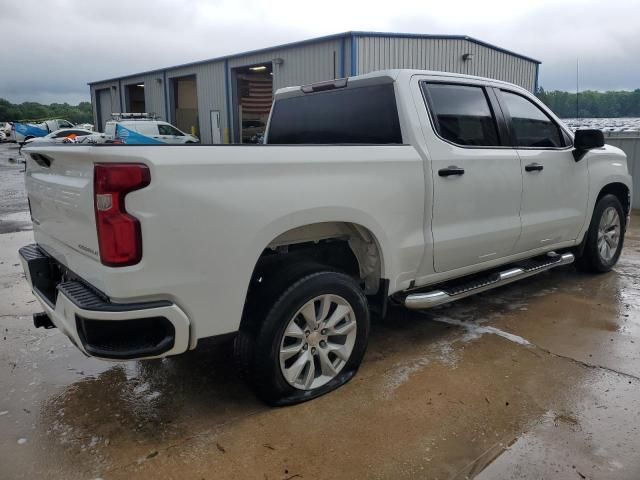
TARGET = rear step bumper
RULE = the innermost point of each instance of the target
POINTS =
(96, 325)
(526, 269)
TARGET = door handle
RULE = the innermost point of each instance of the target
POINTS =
(533, 167)
(450, 170)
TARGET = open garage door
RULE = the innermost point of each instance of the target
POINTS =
(185, 97)
(254, 96)
(134, 98)
(104, 107)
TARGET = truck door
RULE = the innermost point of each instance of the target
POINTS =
(477, 180)
(555, 186)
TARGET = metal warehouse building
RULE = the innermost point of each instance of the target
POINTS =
(227, 99)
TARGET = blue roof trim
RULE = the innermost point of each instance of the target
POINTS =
(325, 38)
(120, 93)
(227, 99)
(354, 54)
(342, 55)
(165, 90)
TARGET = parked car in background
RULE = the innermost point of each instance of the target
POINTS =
(409, 186)
(67, 134)
(253, 131)
(23, 131)
(5, 127)
(144, 129)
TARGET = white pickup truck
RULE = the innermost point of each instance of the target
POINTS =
(407, 186)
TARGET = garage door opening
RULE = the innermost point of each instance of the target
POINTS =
(185, 104)
(104, 108)
(134, 98)
(254, 95)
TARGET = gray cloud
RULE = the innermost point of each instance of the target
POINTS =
(605, 39)
(55, 49)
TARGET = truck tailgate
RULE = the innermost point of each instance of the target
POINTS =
(59, 183)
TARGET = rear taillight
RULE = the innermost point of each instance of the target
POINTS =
(119, 235)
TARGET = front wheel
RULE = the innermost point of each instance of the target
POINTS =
(605, 237)
(311, 341)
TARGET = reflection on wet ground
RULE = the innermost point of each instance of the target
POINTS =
(13, 199)
(536, 380)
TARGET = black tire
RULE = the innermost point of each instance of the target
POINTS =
(257, 345)
(590, 260)
(268, 282)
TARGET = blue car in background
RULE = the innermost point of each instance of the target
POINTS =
(23, 131)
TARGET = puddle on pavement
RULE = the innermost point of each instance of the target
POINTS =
(597, 438)
(15, 222)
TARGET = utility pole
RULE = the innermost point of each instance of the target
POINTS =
(577, 92)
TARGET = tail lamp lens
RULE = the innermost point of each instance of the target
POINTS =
(119, 234)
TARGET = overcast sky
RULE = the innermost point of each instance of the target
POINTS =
(51, 49)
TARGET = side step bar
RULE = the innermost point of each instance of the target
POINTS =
(417, 301)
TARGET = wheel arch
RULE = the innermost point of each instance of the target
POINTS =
(334, 238)
(615, 186)
(292, 250)
(621, 191)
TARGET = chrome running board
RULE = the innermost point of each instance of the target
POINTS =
(528, 268)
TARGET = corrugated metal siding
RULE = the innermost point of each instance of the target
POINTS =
(211, 94)
(154, 94)
(115, 99)
(631, 146)
(314, 62)
(301, 65)
(379, 53)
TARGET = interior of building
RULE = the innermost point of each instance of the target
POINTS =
(254, 95)
(134, 98)
(185, 103)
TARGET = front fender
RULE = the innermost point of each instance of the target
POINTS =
(607, 166)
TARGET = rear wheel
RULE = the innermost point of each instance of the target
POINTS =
(310, 341)
(605, 237)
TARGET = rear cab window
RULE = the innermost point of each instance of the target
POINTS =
(351, 115)
(462, 114)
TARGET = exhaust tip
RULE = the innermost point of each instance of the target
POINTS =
(42, 320)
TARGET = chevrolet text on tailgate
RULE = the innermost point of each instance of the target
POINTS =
(410, 186)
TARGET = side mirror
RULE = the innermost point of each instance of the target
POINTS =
(586, 140)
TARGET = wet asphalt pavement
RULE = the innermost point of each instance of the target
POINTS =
(540, 379)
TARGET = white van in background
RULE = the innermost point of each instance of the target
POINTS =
(136, 128)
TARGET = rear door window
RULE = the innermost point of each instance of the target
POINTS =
(359, 115)
(462, 114)
(145, 128)
(530, 126)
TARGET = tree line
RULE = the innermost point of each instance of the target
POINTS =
(81, 113)
(590, 103)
